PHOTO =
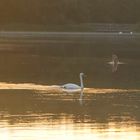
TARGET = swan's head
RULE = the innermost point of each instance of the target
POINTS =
(81, 74)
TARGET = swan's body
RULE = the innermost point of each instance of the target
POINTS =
(70, 87)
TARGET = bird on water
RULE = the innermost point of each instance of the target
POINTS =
(71, 87)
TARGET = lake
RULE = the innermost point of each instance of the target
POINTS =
(35, 65)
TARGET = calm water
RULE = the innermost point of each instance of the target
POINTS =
(32, 105)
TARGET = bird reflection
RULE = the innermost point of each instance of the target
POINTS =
(114, 63)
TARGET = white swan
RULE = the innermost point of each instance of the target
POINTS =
(70, 87)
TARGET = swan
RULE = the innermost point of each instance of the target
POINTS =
(70, 87)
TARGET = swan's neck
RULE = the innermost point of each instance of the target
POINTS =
(81, 82)
(82, 87)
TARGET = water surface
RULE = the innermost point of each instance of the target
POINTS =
(33, 106)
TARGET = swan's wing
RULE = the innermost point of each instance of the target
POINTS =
(70, 86)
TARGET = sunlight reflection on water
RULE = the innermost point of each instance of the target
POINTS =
(66, 129)
(58, 89)
(31, 124)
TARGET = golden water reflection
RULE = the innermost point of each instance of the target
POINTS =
(65, 128)
(57, 89)
(37, 115)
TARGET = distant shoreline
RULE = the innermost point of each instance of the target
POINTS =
(28, 34)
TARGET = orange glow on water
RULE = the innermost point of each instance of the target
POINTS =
(57, 88)
(66, 129)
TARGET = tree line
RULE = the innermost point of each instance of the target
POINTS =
(69, 11)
